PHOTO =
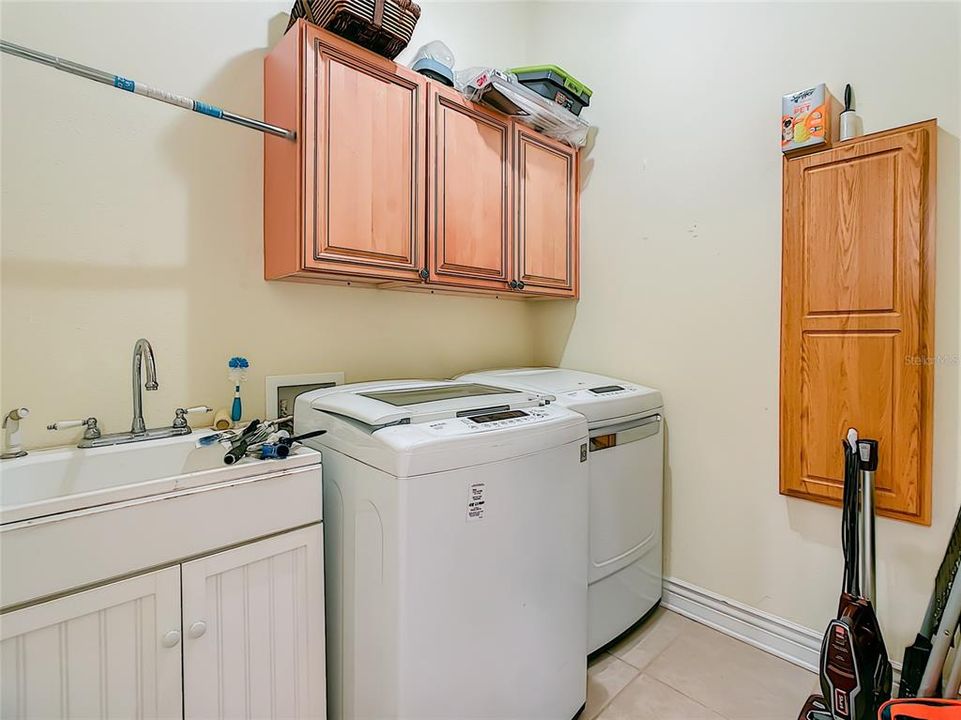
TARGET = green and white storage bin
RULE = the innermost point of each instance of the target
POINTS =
(555, 84)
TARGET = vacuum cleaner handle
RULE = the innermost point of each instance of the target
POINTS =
(868, 460)
(868, 452)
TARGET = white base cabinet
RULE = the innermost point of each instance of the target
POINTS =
(110, 652)
(236, 634)
(254, 634)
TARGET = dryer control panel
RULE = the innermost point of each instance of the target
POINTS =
(602, 391)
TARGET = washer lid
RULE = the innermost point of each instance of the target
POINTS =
(598, 397)
(390, 402)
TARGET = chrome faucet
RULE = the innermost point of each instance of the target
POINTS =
(93, 437)
(142, 352)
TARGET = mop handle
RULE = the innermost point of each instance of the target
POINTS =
(941, 643)
(123, 83)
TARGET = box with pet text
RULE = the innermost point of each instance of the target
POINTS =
(806, 118)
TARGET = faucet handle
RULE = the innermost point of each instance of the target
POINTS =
(65, 424)
(92, 431)
(180, 419)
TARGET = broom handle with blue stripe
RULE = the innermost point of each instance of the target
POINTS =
(142, 89)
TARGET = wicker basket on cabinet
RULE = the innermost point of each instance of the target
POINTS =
(384, 26)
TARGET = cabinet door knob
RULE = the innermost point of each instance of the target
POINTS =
(171, 639)
(520, 284)
(512, 284)
(197, 629)
(425, 274)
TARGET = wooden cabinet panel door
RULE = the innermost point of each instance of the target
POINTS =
(857, 316)
(546, 214)
(469, 184)
(110, 652)
(364, 185)
(254, 630)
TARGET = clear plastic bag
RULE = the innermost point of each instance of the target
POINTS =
(501, 91)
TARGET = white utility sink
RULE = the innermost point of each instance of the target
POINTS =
(55, 481)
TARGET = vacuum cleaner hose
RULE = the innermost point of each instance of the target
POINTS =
(850, 537)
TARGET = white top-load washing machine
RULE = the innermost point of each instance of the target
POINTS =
(455, 550)
(627, 487)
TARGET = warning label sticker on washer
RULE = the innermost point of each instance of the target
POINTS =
(475, 501)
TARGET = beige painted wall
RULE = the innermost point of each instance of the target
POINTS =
(122, 217)
(681, 267)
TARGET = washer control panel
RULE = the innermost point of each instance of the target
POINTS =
(497, 420)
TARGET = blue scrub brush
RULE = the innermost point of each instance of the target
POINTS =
(238, 374)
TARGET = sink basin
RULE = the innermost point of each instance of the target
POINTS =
(55, 481)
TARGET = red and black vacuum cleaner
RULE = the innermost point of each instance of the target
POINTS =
(854, 667)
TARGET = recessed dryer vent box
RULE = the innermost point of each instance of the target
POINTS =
(282, 390)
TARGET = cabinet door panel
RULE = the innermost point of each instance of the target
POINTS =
(851, 250)
(857, 316)
(97, 653)
(469, 232)
(364, 167)
(546, 231)
(261, 649)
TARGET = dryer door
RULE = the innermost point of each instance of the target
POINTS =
(627, 487)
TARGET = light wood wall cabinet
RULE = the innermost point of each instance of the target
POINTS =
(857, 314)
(545, 175)
(347, 198)
(400, 182)
(470, 228)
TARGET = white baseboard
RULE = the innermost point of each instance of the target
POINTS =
(770, 633)
(777, 636)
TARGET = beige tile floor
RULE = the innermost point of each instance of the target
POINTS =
(672, 668)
